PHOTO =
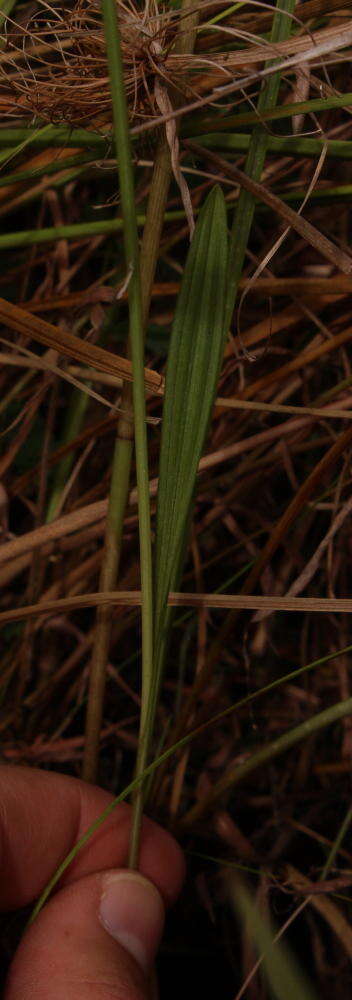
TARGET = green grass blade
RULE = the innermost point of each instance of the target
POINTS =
(6, 9)
(233, 775)
(290, 145)
(54, 135)
(193, 367)
(286, 978)
(255, 160)
(56, 167)
(215, 124)
(73, 231)
(77, 407)
(136, 341)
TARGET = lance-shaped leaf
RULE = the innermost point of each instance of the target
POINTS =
(286, 978)
(194, 360)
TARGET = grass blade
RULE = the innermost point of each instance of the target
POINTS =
(136, 341)
(255, 160)
(193, 367)
(286, 978)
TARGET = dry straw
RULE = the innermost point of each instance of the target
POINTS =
(54, 66)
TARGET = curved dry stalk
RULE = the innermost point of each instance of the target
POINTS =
(133, 599)
(338, 257)
(72, 346)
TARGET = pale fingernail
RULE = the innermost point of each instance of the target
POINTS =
(132, 911)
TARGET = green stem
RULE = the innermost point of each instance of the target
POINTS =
(122, 462)
(234, 774)
(53, 135)
(160, 184)
(162, 173)
(124, 159)
(75, 415)
(121, 472)
(110, 562)
(18, 176)
(337, 843)
(119, 492)
(257, 151)
(290, 145)
(270, 114)
(75, 231)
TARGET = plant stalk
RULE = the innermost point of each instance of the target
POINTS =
(244, 213)
(123, 449)
(121, 474)
(235, 774)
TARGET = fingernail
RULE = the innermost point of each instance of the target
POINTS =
(132, 911)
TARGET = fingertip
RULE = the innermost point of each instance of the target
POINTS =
(94, 938)
(132, 911)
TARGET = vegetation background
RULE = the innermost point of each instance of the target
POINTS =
(139, 118)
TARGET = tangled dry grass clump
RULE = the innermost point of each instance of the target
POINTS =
(56, 67)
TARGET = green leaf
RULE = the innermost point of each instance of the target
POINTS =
(195, 354)
(285, 976)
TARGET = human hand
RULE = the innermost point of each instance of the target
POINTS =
(97, 937)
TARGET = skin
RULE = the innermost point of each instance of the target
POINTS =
(67, 954)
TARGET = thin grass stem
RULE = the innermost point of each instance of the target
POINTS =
(124, 159)
(267, 115)
(235, 774)
(121, 475)
(255, 160)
